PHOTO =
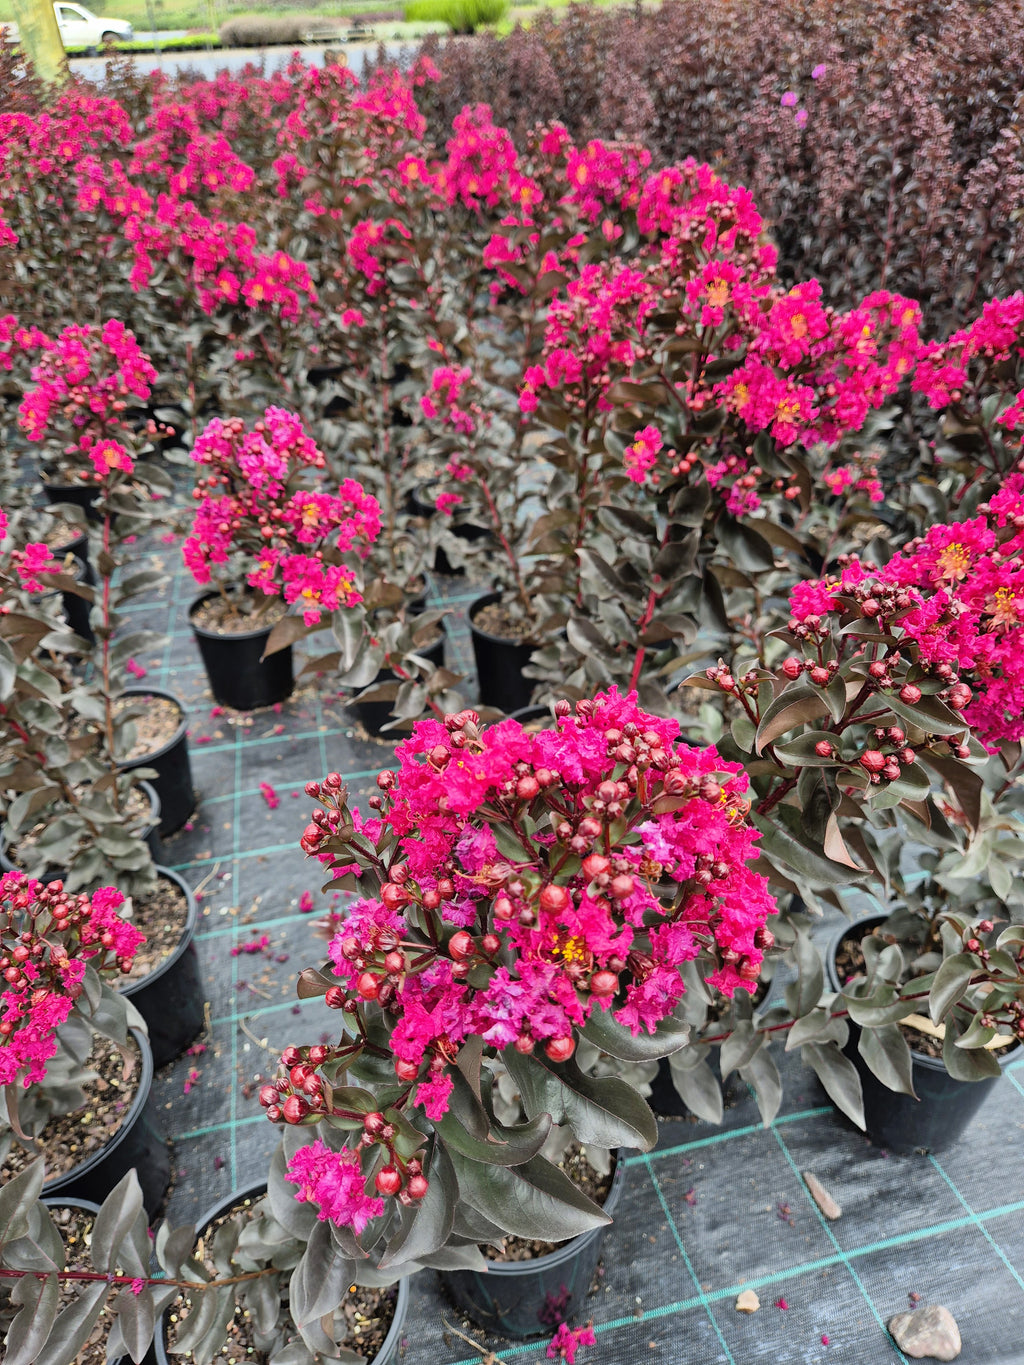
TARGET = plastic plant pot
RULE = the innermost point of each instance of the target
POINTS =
(137, 1143)
(81, 495)
(149, 833)
(525, 1299)
(239, 675)
(374, 715)
(944, 1107)
(173, 780)
(500, 664)
(421, 503)
(389, 1351)
(170, 998)
(76, 609)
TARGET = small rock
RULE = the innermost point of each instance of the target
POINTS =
(821, 1196)
(747, 1302)
(929, 1332)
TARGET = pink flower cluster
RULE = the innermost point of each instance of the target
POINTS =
(578, 917)
(48, 936)
(965, 612)
(334, 1182)
(28, 563)
(255, 505)
(84, 384)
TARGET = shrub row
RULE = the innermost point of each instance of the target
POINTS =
(899, 163)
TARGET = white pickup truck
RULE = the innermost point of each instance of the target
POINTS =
(79, 27)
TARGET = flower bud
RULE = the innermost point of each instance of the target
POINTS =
(294, 1109)
(910, 694)
(554, 899)
(388, 1180)
(604, 983)
(368, 985)
(334, 998)
(559, 1049)
(418, 1186)
(269, 1095)
(461, 946)
(872, 760)
(792, 667)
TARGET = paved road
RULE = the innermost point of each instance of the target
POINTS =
(235, 58)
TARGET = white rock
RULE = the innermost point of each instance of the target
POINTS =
(929, 1333)
(747, 1302)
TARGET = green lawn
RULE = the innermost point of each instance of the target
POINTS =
(207, 15)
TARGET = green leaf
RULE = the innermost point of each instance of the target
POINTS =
(206, 1327)
(37, 1302)
(763, 1075)
(8, 670)
(697, 1086)
(321, 1279)
(929, 714)
(797, 704)
(887, 1053)
(803, 995)
(514, 1146)
(966, 1064)
(17, 1198)
(295, 1217)
(606, 1033)
(426, 1223)
(605, 1112)
(535, 1200)
(839, 1077)
(949, 985)
(74, 1325)
(112, 1240)
(799, 861)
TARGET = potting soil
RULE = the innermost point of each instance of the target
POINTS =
(712, 1211)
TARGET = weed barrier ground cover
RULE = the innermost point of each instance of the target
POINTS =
(710, 1212)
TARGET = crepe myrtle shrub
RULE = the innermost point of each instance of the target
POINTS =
(269, 524)
(56, 776)
(59, 953)
(81, 407)
(685, 412)
(518, 893)
(889, 715)
(974, 380)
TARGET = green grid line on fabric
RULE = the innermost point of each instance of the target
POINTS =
(958, 1194)
(776, 1278)
(826, 1228)
(701, 1295)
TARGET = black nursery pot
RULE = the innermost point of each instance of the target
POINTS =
(81, 495)
(173, 780)
(944, 1107)
(374, 715)
(137, 1143)
(389, 1351)
(530, 1298)
(170, 998)
(500, 664)
(421, 504)
(239, 675)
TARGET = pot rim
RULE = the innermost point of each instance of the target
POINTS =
(187, 934)
(168, 745)
(488, 599)
(1005, 1056)
(567, 1250)
(131, 1118)
(256, 1191)
(232, 635)
(74, 1202)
